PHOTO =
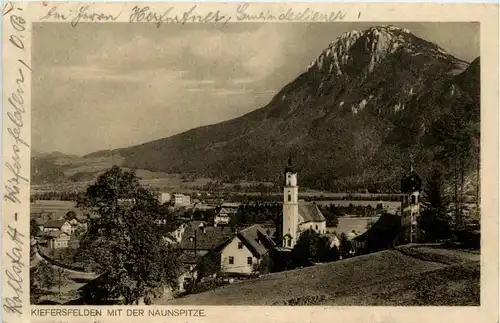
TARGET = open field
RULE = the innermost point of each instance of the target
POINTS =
(347, 224)
(52, 206)
(384, 278)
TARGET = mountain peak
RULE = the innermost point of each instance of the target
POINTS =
(373, 44)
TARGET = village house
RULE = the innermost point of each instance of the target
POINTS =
(242, 253)
(225, 213)
(181, 200)
(198, 238)
(56, 239)
(164, 197)
(57, 225)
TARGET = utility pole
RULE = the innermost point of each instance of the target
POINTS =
(195, 242)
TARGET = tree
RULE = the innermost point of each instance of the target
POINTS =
(43, 276)
(123, 241)
(434, 221)
(60, 278)
(34, 229)
(263, 266)
(311, 247)
(209, 265)
(70, 215)
(345, 247)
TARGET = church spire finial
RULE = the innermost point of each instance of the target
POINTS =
(289, 167)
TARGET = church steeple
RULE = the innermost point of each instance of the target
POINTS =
(289, 167)
(290, 206)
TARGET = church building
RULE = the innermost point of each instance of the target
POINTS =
(298, 216)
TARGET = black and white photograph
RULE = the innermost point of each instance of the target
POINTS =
(277, 164)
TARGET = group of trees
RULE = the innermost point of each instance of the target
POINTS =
(311, 247)
(435, 220)
(122, 242)
(219, 186)
(256, 213)
(45, 277)
(58, 195)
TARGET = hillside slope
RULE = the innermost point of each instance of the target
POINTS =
(390, 277)
(351, 120)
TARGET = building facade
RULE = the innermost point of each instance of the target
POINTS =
(245, 251)
(298, 216)
(164, 197)
(226, 212)
(182, 200)
(410, 206)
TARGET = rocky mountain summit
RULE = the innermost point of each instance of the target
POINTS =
(370, 102)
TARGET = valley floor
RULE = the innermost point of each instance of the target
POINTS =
(412, 275)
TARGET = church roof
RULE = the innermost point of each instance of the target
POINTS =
(310, 212)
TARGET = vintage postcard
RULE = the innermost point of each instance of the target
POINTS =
(250, 162)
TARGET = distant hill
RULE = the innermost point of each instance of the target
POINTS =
(405, 277)
(370, 100)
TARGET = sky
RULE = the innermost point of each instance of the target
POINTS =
(113, 85)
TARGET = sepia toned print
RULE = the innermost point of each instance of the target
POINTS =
(283, 158)
(377, 123)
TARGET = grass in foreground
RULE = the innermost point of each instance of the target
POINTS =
(390, 277)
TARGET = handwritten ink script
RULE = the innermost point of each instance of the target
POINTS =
(13, 270)
(81, 13)
(15, 183)
(243, 13)
(15, 113)
(146, 14)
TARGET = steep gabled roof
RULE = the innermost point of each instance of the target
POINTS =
(52, 234)
(54, 223)
(256, 240)
(310, 212)
(207, 238)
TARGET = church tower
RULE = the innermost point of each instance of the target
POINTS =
(290, 207)
(410, 206)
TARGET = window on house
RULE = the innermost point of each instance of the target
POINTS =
(316, 227)
(289, 198)
(413, 199)
(249, 260)
(240, 245)
(231, 260)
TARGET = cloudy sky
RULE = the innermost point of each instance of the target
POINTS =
(105, 86)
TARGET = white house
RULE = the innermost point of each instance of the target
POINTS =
(298, 216)
(164, 197)
(182, 200)
(58, 225)
(57, 239)
(245, 250)
(226, 212)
